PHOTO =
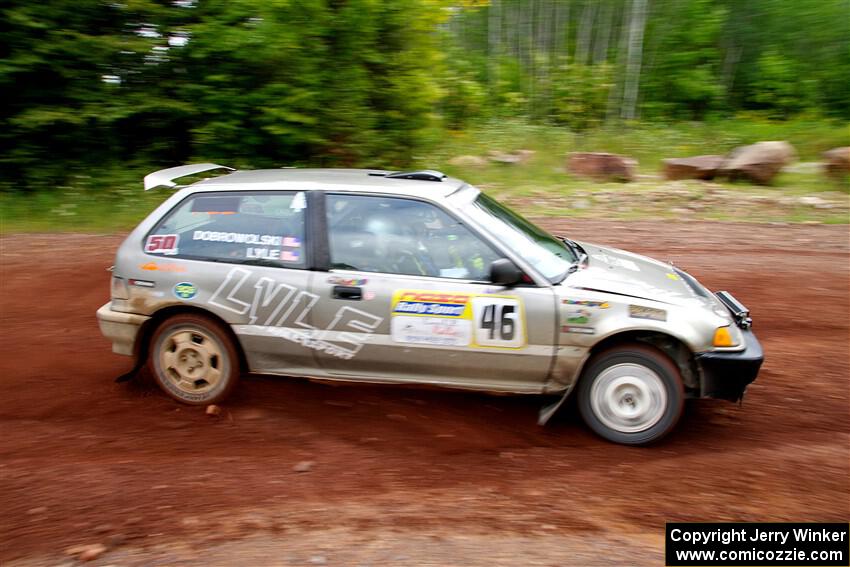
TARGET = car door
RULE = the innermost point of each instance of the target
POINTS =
(404, 298)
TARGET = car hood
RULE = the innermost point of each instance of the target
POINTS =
(619, 272)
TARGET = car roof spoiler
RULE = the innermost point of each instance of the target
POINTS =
(166, 177)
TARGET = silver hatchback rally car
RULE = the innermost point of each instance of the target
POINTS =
(413, 277)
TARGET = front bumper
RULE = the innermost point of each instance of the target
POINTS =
(726, 375)
(120, 328)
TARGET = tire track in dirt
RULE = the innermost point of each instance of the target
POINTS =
(84, 459)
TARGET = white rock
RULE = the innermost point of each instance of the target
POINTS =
(811, 200)
(92, 552)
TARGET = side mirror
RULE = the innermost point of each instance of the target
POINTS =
(504, 272)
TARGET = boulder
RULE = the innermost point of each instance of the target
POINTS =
(510, 158)
(468, 161)
(837, 162)
(697, 167)
(759, 162)
(601, 166)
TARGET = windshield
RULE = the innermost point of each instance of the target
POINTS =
(539, 248)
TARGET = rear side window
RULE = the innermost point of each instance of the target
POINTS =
(265, 228)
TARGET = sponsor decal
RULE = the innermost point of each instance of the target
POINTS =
(351, 282)
(427, 303)
(640, 312)
(240, 238)
(290, 256)
(155, 267)
(162, 244)
(141, 283)
(273, 254)
(185, 290)
(440, 331)
(457, 319)
(281, 310)
(616, 262)
(368, 295)
(674, 277)
(586, 303)
(578, 330)
(579, 317)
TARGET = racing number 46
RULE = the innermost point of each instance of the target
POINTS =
(498, 322)
(499, 319)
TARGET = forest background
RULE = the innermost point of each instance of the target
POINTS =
(99, 93)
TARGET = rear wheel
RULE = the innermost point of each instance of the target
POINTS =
(631, 394)
(193, 359)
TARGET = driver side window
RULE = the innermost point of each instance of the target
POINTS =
(403, 236)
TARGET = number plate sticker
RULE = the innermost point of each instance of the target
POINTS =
(457, 319)
(499, 321)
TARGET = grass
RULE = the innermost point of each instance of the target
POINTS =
(114, 200)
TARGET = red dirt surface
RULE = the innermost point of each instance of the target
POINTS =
(401, 476)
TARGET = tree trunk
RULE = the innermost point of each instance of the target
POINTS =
(615, 95)
(603, 34)
(637, 21)
(585, 33)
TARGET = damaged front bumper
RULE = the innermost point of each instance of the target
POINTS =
(726, 375)
(120, 328)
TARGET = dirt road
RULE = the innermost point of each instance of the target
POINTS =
(399, 476)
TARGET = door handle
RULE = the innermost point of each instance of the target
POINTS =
(347, 292)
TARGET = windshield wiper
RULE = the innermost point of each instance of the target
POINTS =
(580, 257)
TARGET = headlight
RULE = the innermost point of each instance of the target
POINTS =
(728, 336)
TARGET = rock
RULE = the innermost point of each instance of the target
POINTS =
(510, 158)
(251, 414)
(697, 167)
(318, 560)
(810, 200)
(601, 166)
(75, 549)
(87, 552)
(213, 409)
(837, 162)
(38, 510)
(805, 167)
(815, 202)
(759, 162)
(468, 161)
(303, 466)
(190, 522)
(581, 204)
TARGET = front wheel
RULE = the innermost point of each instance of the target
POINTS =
(193, 360)
(631, 394)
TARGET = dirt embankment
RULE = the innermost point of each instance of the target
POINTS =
(401, 476)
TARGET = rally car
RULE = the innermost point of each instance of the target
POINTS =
(413, 277)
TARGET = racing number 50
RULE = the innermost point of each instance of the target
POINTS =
(498, 322)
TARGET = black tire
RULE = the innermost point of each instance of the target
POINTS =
(193, 359)
(610, 400)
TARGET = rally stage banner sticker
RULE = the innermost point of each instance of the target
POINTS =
(457, 319)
